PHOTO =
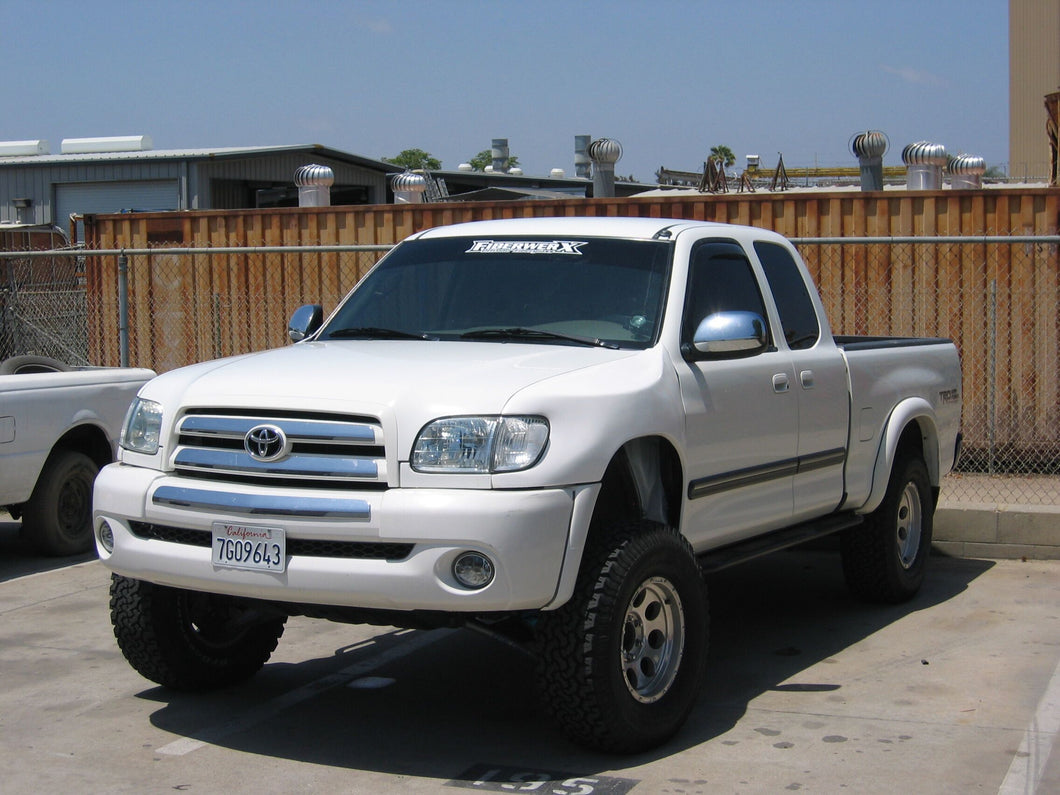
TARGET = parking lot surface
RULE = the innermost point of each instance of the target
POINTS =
(808, 690)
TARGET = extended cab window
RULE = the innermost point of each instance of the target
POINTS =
(720, 280)
(797, 315)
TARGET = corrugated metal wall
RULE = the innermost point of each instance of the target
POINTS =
(191, 178)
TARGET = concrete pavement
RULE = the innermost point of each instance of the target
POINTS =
(808, 690)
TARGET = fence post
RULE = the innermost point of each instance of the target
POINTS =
(991, 401)
(123, 309)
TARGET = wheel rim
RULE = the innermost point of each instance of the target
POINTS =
(73, 507)
(653, 639)
(909, 525)
(212, 622)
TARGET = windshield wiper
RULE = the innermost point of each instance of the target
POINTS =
(376, 333)
(519, 333)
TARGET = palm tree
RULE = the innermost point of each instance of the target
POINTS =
(722, 153)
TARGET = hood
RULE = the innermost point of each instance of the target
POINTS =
(413, 379)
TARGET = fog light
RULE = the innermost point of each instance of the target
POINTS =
(473, 570)
(105, 536)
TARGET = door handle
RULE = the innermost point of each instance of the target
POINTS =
(781, 383)
(807, 379)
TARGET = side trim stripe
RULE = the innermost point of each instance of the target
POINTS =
(727, 481)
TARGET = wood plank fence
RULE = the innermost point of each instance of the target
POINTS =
(999, 302)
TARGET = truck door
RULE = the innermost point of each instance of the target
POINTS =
(820, 385)
(741, 413)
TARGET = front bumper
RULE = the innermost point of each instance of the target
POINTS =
(533, 537)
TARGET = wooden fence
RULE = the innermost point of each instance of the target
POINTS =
(999, 302)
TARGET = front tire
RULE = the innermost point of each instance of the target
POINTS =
(187, 640)
(623, 661)
(884, 561)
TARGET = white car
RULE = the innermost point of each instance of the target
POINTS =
(547, 427)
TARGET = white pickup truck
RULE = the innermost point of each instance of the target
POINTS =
(57, 428)
(544, 428)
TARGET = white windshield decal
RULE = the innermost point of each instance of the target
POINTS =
(527, 247)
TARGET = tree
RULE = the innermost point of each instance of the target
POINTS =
(415, 158)
(724, 154)
(485, 158)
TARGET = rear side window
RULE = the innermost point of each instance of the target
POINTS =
(797, 315)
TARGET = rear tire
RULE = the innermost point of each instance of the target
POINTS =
(884, 560)
(622, 663)
(57, 518)
(187, 640)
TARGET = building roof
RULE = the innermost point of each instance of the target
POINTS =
(208, 153)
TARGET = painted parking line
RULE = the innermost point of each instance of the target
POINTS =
(415, 641)
(1025, 772)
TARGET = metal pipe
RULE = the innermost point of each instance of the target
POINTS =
(991, 403)
(123, 309)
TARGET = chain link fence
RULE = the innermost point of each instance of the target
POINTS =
(997, 298)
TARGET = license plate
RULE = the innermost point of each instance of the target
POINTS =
(240, 546)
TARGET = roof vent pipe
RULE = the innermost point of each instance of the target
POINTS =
(582, 167)
(314, 185)
(499, 151)
(966, 172)
(604, 152)
(924, 163)
(869, 148)
(408, 187)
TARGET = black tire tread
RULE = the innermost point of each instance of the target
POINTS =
(869, 553)
(151, 627)
(568, 638)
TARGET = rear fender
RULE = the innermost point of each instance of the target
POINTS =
(911, 411)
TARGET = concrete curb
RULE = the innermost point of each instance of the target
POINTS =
(984, 530)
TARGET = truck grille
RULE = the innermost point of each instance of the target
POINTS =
(282, 448)
(308, 547)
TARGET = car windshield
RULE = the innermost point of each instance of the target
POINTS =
(596, 291)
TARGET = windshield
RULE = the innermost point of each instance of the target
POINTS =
(599, 291)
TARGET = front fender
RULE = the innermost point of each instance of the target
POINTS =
(911, 410)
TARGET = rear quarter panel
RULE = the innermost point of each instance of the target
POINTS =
(891, 385)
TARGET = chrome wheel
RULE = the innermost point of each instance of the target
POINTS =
(653, 639)
(910, 522)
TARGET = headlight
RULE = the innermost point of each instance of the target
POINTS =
(143, 427)
(480, 444)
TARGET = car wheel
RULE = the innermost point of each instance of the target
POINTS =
(187, 640)
(621, 664)
(57, 518)
(885, 559)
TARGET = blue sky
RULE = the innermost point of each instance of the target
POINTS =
(669, 79)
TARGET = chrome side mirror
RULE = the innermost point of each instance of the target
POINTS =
(731, 334)
(305, 321)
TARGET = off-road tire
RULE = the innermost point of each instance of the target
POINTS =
(884, 560)
(57, 518)
(186, 640)
(621, 664)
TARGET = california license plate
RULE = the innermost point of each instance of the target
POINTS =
(239, 546)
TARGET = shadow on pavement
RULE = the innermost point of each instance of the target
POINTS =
(17, 557)
(465, 701)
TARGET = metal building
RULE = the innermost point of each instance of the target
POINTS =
(39, 188)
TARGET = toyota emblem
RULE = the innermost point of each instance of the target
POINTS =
(266, 443)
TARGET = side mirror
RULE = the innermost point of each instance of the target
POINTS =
(305, 321)
(731, 334)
